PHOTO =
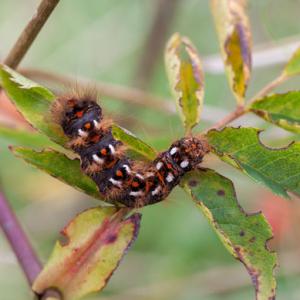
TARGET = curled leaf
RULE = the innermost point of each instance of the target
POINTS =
(293, 66)
(245, 236)
(33, 101)
(186, 78)
(61, 167)
(278, 169)
(133, 142)
(97, 239)
(235, 41)
(280, 109)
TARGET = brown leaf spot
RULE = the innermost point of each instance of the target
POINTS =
(111, 238)
(63, 240)
(193, 183)
(221, 193)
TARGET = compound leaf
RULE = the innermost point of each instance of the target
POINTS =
(97, 239)
(61, 167)
(280, 109)
(245, 236)
(186, 78)
(293, 66)
(33, 101)
(278, 169)
(133, 142)
(235, 41)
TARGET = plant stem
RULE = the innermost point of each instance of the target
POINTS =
(127, 94)
(241, 110)
(29, 33)
(18, 241)
(269, 87)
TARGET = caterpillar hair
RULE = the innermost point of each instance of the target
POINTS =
(103, 158)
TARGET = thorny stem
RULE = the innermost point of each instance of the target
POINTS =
(18, 241)
(29, 33)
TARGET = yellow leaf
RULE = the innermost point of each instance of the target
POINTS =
(235, 41)
(186, 78)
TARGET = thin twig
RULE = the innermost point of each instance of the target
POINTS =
(127, 94)
(269, 87)
(18, 241)
(12, 229)
(29, 33)
(241, 110)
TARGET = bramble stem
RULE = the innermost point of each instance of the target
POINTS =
(29, 33)
(18, 241)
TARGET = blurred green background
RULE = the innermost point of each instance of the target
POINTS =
(177, 254)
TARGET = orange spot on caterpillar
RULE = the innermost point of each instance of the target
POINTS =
(103, 151)
(79, 114)
(95, 138)
(87, 125)
(119, 173)
(169, 166)
(135, 184)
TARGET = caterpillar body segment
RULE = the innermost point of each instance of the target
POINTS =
(103, 158)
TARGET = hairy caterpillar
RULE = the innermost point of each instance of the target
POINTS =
(103, 158)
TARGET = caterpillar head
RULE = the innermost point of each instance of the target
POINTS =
(77, 115)
(188, 152)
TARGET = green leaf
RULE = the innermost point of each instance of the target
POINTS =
(97, 239)
(133, 142)
(21, 137)
(280, 109)
(245, 236)
(33, 101)
(186, 78)
(278, 169)
(234, 33)
(293, 66)
(61, 167)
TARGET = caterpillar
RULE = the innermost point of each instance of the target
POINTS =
(119, 178)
